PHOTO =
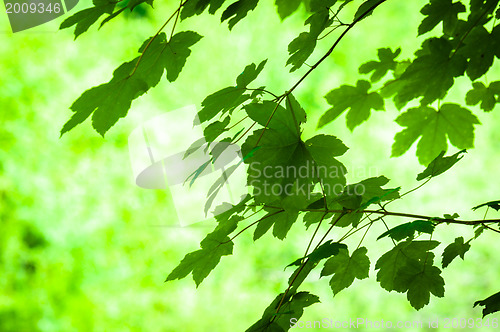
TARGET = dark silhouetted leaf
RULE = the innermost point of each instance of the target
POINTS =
(493, 204)
(407, 230)
(490, 304)
(455, 249)
(440, 165)
(438, 11)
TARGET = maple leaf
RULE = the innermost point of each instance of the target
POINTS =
(380, 68)
(438, 11)
(433, 128)
(455, 249)
(355, 99)
(346, 268)
(487, 96)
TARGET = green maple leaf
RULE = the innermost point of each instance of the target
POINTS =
(455, 249)
(433, 128)
(227, 99)
(237, 11)
(487, 96)
(110, 101)
(407, 230)
(438, 11)
(419, 280)
(380, 68)
(285, 167)
(392, 262)
(440, 165)
(215, 245)
(355, 99)
(429, 76)
(346, 268)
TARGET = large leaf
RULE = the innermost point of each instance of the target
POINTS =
(433, 127)
(285, 168)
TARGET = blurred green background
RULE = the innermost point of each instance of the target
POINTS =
(82, 248)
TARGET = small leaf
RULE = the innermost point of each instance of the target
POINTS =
(490, 304)
(346, 268)
(440, 165)
(455, 249)
(325, 250)
(237, 11)
(355, 99)
(493, 204)
(487, 96)
(407, 230)
(380, 68)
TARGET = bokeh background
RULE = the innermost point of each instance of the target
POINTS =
(82, 248)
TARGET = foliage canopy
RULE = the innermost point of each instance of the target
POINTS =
(464, 42)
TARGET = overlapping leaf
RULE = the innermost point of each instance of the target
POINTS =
(433, 128)
(356, 99)
(429, 76)
(491, 304)
(284, 168)
(480, 48)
